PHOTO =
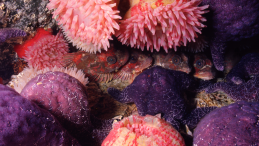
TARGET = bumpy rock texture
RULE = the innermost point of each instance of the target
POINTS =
(159, 90)
(6, 33)
(248, 91)
(248, 66)
(193, 118)
(65, 97)
(24, 123)
(236, 124)
(230, 20)
(242, 81)
(26, 15)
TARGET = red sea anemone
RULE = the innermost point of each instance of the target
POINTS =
(149, 130)
(21, 49)
(161, 23)
(88, 24)
(43, 50)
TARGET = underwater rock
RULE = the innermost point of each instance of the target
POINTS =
(247, 91)
(7, 33)
(158, 90)
(24, 123)
(229, 20)
(62, 95)
(6, 59)
(65, 97)
(235, 124)
(26, 15)
(245, 69)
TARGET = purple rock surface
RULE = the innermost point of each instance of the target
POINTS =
(247, 91)
(235, 124)
(230, 20)
(62, 95)
(6, 33)
(65, 97)
(24, 123)
(247, 67)
(158, 90)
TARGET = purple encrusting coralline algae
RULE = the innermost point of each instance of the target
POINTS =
(66, 98)
(24, 123)
(229, 20)
(235, 124)
(62, 95)
(246, 68)
(158, 90)
(6, 33)
(242, 82)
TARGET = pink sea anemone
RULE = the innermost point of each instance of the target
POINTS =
(149, 130)
(87, 24)
(46, 50)
(161, 23)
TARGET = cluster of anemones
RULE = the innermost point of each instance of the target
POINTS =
(89, 25)
(151, 24)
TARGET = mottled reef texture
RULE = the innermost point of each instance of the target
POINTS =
(25, 14)
(242, 81)
(230, 20)
(24, 123)
(248, 91)
(236, 124)
(246, 68)
(66, 98)
(158, 90)
(63, 96)
(6, 33)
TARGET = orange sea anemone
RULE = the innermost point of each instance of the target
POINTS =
(161, 23)
(87, 24)
(148, 130)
